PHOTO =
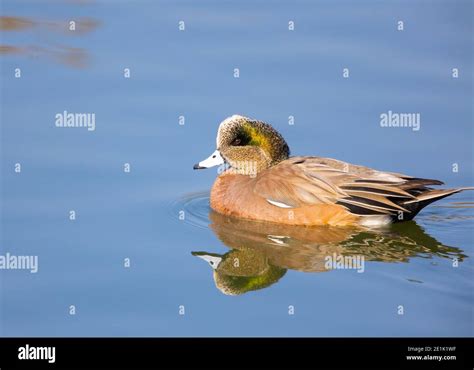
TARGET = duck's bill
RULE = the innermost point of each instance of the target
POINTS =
(213, 259)
(215, 159)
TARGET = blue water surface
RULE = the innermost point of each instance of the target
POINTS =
(190, 73)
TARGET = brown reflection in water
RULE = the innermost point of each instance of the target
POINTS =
(7, 49)
(261, 253)
(15, 23)
(81, 26)
(73, 57)
(67, 55)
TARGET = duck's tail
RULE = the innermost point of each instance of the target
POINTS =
(426, 197)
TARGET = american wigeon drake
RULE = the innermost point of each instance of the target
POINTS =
(264, 183)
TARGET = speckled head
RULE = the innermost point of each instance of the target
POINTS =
(248, 145)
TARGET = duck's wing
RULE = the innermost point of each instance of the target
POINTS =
(301, 181)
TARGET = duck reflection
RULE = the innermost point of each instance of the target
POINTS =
(261, 253)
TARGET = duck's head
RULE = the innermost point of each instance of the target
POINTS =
(241, 270)
(247, 145)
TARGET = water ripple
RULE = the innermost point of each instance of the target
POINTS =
(193, 209)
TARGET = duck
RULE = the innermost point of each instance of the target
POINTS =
(259, 180)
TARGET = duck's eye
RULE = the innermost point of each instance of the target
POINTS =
(236, 141)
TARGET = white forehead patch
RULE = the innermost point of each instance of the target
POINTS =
(228, 120)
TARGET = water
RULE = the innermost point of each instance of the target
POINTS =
(136, 215)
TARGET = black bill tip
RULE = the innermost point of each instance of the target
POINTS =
(198, 167)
